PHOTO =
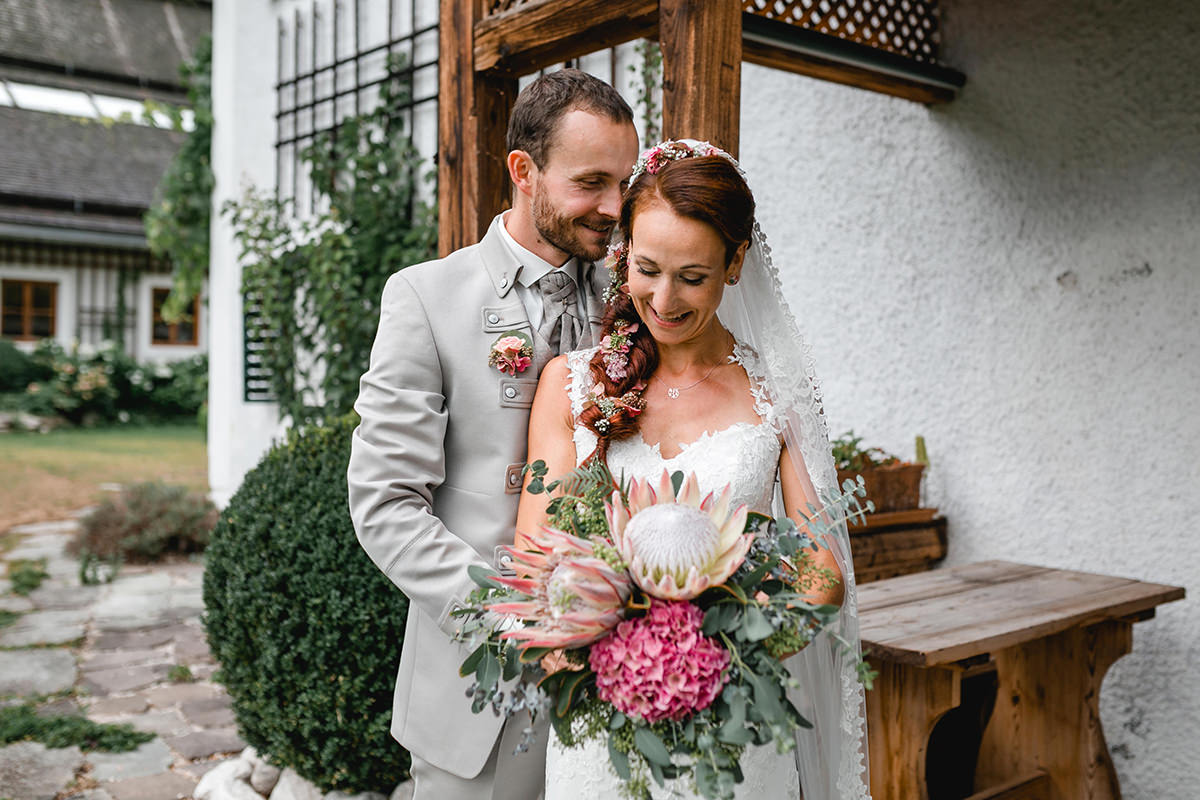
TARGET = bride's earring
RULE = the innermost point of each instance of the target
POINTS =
(732, 280)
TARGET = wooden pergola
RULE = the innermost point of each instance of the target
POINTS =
(886, 46)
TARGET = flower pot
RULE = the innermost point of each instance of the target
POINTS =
(891, 487)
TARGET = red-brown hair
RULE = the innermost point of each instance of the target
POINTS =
(708, 189)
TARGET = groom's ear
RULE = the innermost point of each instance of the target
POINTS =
(521, 171)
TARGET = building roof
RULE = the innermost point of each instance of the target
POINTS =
(135, 43)
(59, 171)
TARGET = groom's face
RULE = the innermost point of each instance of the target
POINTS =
(577, 193)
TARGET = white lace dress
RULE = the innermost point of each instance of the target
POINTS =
(744, 455)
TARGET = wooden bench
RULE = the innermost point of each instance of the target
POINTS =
(1038, 640)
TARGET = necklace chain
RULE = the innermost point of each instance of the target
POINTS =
(673, 391)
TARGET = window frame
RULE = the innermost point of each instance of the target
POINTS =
(158, 296)
(27, 311)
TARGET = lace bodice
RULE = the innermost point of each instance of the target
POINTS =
(743, 455)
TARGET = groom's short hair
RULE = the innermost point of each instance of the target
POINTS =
(543, 103)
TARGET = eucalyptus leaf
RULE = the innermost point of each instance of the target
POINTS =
(489, 671)
(677, 478)
(482, 575)
(616, 721)
(471, 663)
(651, 747)
(755, 626)
(619, 760)
(512, 667)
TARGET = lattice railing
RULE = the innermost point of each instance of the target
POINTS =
(906, 27)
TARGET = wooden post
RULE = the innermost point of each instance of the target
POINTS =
(473, 113)
(902, 709)
(1047, 713)
(702, 70)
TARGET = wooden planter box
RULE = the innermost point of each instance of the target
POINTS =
(891, 487)
(897, 543)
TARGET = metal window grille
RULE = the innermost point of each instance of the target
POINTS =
(332, 59)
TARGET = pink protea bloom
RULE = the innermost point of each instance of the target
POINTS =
(676, 547)
(660, 666)
(573, 596)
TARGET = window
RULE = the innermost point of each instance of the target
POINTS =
(27, 309)
(182, 332)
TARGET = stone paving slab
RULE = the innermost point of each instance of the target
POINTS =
(200, 744)
(167, 696)
(214, 712)
(132, 640)
(49, 597)
(127, 658)
(193, 650)
(168, 722)
(16, 603)
(123, 679)
(110, 706)
(91, 794)
(44, 671)
(150, 758)
(166, 786)
(31, 771)
(55, 526)
(45, 627)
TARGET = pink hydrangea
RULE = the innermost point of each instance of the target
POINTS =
(660, 666)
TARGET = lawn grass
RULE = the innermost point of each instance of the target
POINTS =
(46, 476)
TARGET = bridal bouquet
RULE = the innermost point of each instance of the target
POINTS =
(656, 620)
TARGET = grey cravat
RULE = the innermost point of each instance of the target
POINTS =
(561, 327)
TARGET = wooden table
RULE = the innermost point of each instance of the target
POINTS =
(1043, 638)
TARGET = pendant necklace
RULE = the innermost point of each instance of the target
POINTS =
(673, 391)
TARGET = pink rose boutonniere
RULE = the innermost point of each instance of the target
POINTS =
(511, 353)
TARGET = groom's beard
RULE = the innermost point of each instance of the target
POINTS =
(563, 232)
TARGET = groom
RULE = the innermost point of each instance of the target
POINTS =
(435, 466)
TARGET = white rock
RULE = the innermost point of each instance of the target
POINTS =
(264, 778)
(292, 787)
(227, 782)
(359, 796)
(403, 791)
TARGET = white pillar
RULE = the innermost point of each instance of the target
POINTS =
(244, 52)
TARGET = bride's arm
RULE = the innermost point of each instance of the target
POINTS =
(551, 428)
(798, 493)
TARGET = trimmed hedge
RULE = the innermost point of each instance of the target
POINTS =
(306, 629)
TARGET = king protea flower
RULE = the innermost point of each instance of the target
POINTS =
(676, 547)
(574, 597)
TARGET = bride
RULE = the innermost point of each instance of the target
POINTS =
(697, 330)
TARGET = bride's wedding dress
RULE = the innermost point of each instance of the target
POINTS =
(743, 455)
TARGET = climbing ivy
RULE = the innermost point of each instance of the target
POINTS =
(177, 223)
(314, 284)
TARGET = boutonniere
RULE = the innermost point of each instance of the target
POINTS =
(511, 353)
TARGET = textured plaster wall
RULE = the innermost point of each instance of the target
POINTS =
(1016, 276)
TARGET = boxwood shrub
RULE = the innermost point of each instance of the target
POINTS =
(307, 631)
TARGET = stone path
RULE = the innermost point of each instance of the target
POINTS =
(106, 652)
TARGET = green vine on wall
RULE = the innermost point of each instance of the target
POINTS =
(177, 223)
(315, 283)
(648, 88)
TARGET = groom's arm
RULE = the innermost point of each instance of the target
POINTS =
(397, 459)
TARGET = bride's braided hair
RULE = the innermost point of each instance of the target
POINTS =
(706, 188)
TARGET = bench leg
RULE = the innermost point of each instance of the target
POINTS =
(1047, 713)
(902, 709)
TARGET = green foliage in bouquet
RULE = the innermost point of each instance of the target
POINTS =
(758, 616)
(307, 630)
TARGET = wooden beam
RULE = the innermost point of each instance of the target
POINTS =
(770, 43)
(1034, 786)
(472, 119)
(542, 33)
(702, 70)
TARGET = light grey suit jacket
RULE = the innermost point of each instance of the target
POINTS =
(435, 472)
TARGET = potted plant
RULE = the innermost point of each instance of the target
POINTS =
(891, 484)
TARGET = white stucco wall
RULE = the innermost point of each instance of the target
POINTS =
(1015, 276)
(243, 155)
